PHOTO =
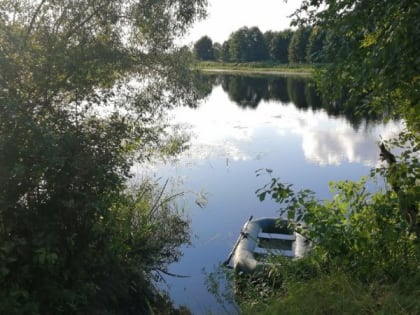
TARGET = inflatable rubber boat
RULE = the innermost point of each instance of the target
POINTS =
(262, 237)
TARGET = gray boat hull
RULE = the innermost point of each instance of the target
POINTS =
(265, 231)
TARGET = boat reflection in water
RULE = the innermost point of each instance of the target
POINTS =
(262, 237)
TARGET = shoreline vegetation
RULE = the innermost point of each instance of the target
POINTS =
(268, 68)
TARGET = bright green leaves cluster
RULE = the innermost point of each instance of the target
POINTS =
(356, 231)
(403, 177)
(374, 67)
(372, 52)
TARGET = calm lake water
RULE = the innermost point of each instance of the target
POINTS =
(245, 124)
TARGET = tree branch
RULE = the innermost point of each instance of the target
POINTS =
(31, 24)
(386, 155)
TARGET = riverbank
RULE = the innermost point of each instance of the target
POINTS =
(255, 68)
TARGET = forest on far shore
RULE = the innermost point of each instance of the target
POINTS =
(250, 44)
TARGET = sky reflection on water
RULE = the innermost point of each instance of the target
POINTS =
(229, 144)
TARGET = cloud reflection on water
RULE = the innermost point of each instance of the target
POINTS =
(219, 128)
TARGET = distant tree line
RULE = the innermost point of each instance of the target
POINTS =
(250, 44)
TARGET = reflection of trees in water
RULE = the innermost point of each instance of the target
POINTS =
(245, 91)
(303, 94)
(357, 116)
(313, 99)
(204, 84)
(277, 90)
(248, 91)
(296, 90)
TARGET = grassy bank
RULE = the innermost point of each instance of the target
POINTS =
(339, 293)
(255, 67)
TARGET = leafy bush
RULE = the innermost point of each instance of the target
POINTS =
(84, 85)
(366, 251)
(359, 231)
(110, 265)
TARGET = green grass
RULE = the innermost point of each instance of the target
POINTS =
(339, 293)
(255, 67)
